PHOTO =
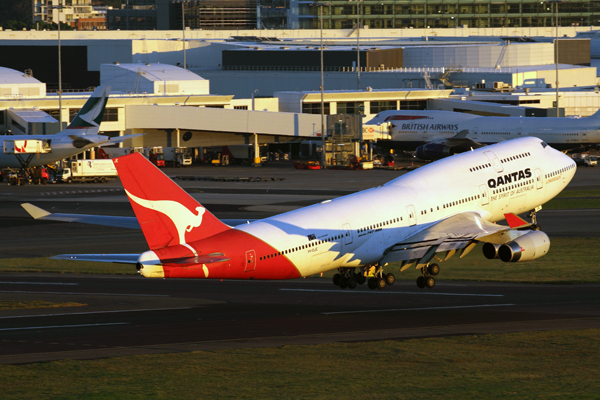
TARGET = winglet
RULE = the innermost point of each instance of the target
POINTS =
(35, 212)
(514, 221)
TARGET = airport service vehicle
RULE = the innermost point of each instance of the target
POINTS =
(175, 157)
(423, 217)
(88, 171)
(24, 151)
(584, 160)
(436, 134)
(27, 175)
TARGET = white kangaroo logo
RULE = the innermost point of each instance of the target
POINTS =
(183, 219)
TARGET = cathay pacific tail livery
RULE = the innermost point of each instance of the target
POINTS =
(24, 151)
(417, 220)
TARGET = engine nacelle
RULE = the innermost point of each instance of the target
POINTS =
(530, 246)
(433, 151)
(490, 251)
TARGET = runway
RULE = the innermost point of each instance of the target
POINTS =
(133, 315)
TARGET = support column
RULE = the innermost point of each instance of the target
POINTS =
(256, 152)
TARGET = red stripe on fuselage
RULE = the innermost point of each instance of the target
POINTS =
(237, 246)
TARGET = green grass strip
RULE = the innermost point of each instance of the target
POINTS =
(531, 365)
(18, 305)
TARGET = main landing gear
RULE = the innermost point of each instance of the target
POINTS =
(347, 278)
(428, 271)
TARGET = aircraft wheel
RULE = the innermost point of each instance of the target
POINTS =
(433, 269)
(421, 282)
(360, 279)
(380, 283)
(336, 279)
(343, 283)
(372, 283)
(390, 279)
(352, 283)
(429, 282)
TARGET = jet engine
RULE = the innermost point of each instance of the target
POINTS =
(490, 251)
(530, 246)
(434, 151)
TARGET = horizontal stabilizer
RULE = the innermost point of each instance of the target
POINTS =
(202, 259)
(120, 139)
(105, 220)
(108, 258)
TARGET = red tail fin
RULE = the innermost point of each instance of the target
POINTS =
(166, 213)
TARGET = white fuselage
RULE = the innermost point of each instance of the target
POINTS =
(355, 230)
(410, 129)
(61, 146)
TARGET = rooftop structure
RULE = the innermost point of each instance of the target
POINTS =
(152, 78)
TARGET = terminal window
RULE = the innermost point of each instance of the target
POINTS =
(413, 104)
(378, 106)
(110, 115)
(314, 108)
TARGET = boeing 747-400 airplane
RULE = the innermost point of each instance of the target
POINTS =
(427, 215)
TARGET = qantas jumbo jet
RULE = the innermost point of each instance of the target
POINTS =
(424, 216)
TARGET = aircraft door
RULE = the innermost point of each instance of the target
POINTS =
(250, 261)
(538, 178)
(412, 215)
(484, 195)
(494, 161)
(584, 136)
(347, 234)
(475, 132)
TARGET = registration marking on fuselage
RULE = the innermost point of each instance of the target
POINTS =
(380, 292)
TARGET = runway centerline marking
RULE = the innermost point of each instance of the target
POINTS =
(380, 292)
(417, 309)
(63, 326)
(94, 312)
(88, 294)
(40, 283)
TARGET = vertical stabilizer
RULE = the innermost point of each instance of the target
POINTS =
(88, 119)
(167, 214)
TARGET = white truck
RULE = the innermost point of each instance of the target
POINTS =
(176, 157)
(88, 171)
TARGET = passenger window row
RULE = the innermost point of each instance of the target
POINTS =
(461, 201)
(560, 171)
(379, 225)
(511, 187)
(512, 158)
(480, 167)
(312, 243)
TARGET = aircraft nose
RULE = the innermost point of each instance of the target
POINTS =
(150, 266)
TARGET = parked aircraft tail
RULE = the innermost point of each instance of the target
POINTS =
(87, 121)
(167, 214)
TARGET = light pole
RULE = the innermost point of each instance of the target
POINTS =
(253, 93)
(358, 4)
(321, 5)
(556, 47)
(183, 30)
(59, 7)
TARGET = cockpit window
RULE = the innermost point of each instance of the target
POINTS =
(544, 144)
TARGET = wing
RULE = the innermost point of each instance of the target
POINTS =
(106, 220)
(133, 258)
(458, 232)
(109, 258)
